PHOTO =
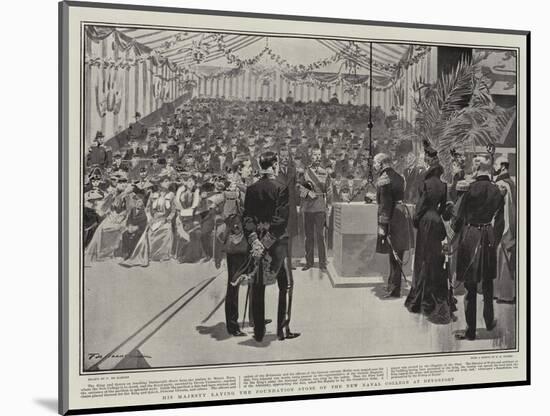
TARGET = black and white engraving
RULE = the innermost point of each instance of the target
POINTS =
(252, 198)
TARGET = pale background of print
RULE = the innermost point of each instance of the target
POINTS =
(30, 287)
(74, 119)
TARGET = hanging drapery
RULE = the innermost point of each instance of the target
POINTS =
(121, 41)
(98, 33)
(354, 79)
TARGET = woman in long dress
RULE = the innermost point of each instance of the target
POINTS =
(505, 283)
(105, 243)
(430, 293)
(135, 226)
(156, 241)
(187, 245)
(160, 229)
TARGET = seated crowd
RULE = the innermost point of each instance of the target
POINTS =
(164, 191)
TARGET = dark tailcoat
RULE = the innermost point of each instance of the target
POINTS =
(482, 203)
(481, 207)
(392, 214)
(394, 219)
(266, 201)
(266, 210)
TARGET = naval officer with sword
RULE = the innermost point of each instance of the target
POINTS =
(393, 222)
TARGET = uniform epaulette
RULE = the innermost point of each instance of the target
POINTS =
(383, 180)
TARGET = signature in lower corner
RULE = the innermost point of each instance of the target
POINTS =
(98, 356)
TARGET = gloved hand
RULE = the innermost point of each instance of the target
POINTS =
(257, 249)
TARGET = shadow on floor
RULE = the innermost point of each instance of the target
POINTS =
(218, 331)
(48, 404)
(133, 360)
(482, 334)
(315, 271)
(379, 290)
(251, 342)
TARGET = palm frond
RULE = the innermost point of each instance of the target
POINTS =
(442, 101)
(458, 111)
(455, 87)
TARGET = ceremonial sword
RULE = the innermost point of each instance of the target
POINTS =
(397, 259)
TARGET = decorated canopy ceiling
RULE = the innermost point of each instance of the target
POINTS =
(329, 60)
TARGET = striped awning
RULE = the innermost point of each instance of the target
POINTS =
(179, 47)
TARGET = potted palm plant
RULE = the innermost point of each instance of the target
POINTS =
(458, 112)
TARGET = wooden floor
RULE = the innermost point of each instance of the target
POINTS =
(169, 314)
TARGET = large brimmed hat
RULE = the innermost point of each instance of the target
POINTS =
(93, 195)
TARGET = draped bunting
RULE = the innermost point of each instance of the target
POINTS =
(123, 42)
(355, 79)
(126, 63)
(164, 64)
(108, 94)
(160, 61)
(351, 54)
(123, 77)
(414, 54)
(98, 33)
(322, 80)
(357, 53)
(308, 74)
(324, 77)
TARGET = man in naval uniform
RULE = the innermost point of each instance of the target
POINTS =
(316, 195)
(479, 220)
(394, 226)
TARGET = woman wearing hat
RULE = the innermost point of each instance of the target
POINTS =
(187, 244)
(91, 219)
(430, 291)
(161, 211)
(156, 241)
(107, 238)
